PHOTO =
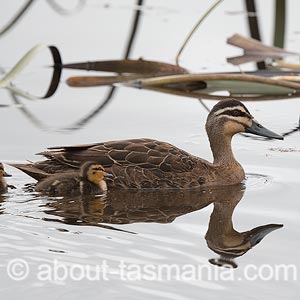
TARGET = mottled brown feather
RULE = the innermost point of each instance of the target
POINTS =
(137, 164)
(147, 163)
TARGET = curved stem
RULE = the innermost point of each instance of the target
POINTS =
(18, 15)
(195, 28)
(111, 92)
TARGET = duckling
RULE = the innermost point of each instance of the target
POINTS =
(89, 181)
(3, 185)
(147, 163)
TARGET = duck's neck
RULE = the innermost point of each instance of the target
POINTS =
(221, 148)
(220, 230)
(221, 218)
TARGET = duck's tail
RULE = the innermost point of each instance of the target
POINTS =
(31, 170)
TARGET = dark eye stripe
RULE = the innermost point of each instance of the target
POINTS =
(98, 169)
(234, 113)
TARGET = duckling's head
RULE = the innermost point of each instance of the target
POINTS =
(2, 172)
(93, 172)
(229, 117)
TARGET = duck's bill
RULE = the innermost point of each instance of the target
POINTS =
(6, 174)
(258, 233)
(258, 129)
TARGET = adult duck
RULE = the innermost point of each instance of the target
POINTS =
(147, 163)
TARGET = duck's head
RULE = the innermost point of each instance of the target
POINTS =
(229, 117)
(2, 172)
(93, 172)
(238, 244)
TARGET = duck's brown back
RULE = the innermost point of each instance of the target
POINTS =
(138, 163)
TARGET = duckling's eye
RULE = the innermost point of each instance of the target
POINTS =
(98, 169)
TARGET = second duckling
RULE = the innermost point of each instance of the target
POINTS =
(3, 184)
(88, 181)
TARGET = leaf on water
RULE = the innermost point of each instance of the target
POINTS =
(155, 76)
(204, 85)
(254, 51)
(130, 70)
(139, 66)
(90, 81)
(285, 65)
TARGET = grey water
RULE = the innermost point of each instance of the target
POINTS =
(150, 245)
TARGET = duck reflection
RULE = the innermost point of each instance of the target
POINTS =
(126, 206)
(223, 239)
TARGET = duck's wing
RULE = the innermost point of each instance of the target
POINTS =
(146, 153)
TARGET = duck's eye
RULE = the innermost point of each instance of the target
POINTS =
(236, 113)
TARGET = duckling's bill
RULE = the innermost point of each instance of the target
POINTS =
(108, 175)
(260, 130)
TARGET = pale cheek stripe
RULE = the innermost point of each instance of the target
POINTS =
(239, 120)
(220, 111)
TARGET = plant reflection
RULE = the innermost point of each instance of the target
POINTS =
(126, 207)
(58, 67)
(27, 6)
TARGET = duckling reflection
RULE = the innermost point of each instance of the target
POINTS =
(3, 185)
(128, 206)
(2, 203)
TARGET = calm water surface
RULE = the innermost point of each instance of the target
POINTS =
(64, 242)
